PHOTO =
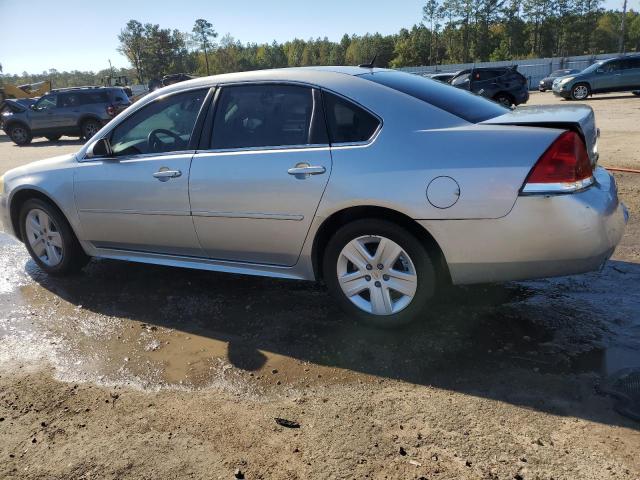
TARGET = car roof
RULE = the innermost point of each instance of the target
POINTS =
(301, 74)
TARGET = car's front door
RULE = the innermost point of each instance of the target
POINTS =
(608, 77)
(138, 198)
(256, 185)
(44, 113)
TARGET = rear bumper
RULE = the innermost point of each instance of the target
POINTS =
(542, 236)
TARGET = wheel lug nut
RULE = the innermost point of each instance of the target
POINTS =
(380, 266)
(378, 284)
(367, 278)
(385, 277)
(369, 267)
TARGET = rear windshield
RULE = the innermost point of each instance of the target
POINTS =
(461, 103)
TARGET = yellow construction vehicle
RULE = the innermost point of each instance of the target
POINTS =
(29, 90)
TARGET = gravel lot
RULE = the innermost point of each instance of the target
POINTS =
(133, 371)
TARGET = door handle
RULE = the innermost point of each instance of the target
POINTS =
(165, 174)
(304, 170)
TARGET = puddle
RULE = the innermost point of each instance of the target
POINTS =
(157, 327)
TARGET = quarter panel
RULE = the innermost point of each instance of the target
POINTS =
(490, 163)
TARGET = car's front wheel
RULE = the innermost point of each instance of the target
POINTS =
(379, 272)
(580, 91)
(504, 100)
(20, 134)
(49, 238)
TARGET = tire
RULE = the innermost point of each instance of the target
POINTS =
(397, 308)
(53, 138)
(580, 91)
(89, 128)
(504, 100)
(20, 134)
(59, 252)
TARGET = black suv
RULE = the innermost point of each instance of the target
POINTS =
(80, 111)
(505, 85)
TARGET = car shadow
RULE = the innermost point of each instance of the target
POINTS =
(521, 343)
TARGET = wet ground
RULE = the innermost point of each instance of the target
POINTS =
(537, 350)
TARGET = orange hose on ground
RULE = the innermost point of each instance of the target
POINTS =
(626, 170)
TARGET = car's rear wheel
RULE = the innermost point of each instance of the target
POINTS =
(20, 134)
(580, 91)
(379, 273)
(89, 128)
(53, 138)
(504, 100)
(49, 238)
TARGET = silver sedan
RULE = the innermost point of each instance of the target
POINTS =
(383, 184)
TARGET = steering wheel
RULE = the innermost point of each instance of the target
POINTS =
(155, 144)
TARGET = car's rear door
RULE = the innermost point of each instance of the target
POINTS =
(257, 181)
(69, 105)
(138, 198)
(631, 74)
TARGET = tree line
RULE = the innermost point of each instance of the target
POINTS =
(450, 31)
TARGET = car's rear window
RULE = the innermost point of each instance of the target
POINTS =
(461, 103)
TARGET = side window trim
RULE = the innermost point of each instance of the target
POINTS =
(204, 145)
(373, 136)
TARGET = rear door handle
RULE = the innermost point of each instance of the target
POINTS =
(304, 170)
(165, 174)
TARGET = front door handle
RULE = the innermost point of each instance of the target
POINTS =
(165, 174)
(304, 170)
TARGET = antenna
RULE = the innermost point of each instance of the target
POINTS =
(371, 64)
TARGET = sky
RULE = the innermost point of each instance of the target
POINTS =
(81, 35)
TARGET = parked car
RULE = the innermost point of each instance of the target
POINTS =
(504, 85)
(547, 82)
(441, 77)
(383, 183)
(78, 111)
(621, 74)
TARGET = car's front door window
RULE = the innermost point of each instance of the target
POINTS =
(164, 125)
(48, 102)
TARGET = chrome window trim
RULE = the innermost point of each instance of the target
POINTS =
(141, 156)
(560, 187)
(267, 149)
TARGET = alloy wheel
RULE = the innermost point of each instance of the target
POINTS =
(580, 92)
(44, 237)
(377, 275)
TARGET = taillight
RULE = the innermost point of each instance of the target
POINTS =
(111, 110)
(564, 167)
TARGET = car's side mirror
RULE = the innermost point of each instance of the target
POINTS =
(33, 106)
(101, 148)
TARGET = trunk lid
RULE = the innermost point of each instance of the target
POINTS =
(579, 118)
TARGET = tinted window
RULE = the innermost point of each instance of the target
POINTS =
(632, 63)
(612, 66)
(347, 122)
(68, 100)
(94, 97)
(162, 126)
(463, 104)
(266, 116)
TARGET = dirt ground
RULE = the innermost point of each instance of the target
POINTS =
(134, 371)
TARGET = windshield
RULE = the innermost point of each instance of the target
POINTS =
(461, 103)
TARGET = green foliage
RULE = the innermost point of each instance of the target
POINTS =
(452, 31)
